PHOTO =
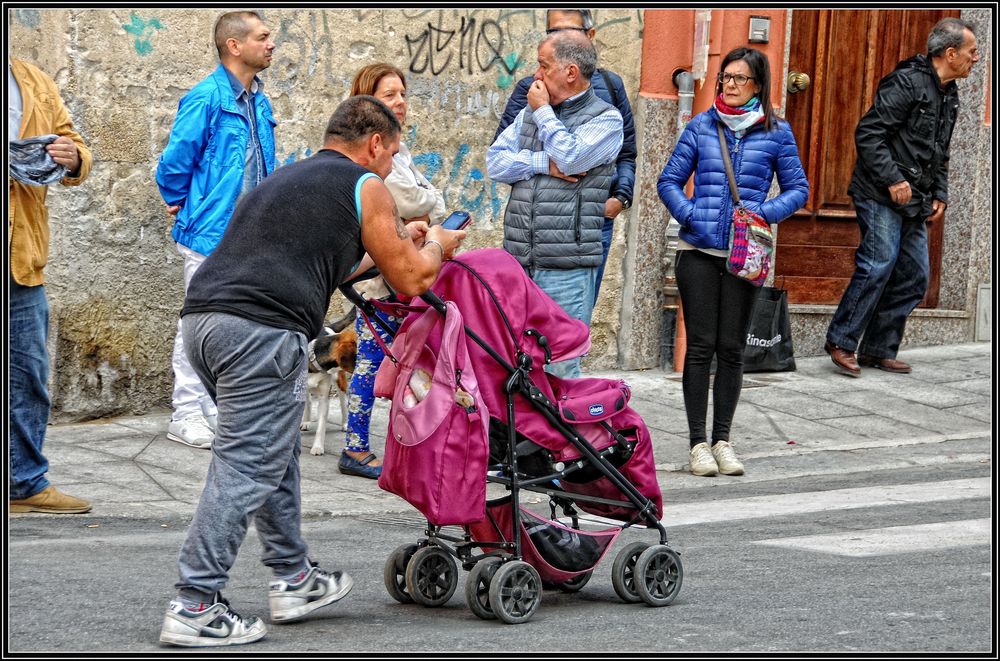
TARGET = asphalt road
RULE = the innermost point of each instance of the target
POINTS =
(890, 560)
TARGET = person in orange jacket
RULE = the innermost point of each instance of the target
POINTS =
(35, 110)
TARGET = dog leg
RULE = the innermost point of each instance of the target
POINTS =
(306, 413)
(323, 409)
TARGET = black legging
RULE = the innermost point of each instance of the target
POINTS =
(717, 307)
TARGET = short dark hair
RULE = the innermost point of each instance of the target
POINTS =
(761, 72)
(586, 19)
(360, 116)
(232, 25)
(576, 48)
(947, 33)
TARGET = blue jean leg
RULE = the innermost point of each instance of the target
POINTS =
(607, 232)
(904, 292)
(256, 376)
(29, 394)
(361, 393)
(875, 260)
(573, 290)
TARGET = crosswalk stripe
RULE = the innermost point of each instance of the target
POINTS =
(757, 507)
(893, 540)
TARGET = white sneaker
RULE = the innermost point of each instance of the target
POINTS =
(192, 431)
(702, 461)
(318, 588)
(212, 627)
(212, 421)
(725, 456)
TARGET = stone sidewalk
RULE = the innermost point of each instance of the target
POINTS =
(812, 421)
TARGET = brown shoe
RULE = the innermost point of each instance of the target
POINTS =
(886, 364)
(50, 501)
(843, 359)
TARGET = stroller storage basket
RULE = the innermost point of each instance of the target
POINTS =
(558, 552)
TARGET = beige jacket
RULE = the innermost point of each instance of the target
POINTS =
(27, 216)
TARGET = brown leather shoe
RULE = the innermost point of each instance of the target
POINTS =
(50, 501)
(843, 359)
(886, 364)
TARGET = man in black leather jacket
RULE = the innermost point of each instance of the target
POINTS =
(900, 181)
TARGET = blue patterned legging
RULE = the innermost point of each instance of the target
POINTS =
(361, 397)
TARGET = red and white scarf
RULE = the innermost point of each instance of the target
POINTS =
(741, 118)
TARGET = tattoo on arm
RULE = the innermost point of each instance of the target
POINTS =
(401, 230)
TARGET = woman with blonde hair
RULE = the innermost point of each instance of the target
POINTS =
(416, 200)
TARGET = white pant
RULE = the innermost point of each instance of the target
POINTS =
(190, 396)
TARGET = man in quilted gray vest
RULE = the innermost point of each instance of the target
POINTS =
(558, 155)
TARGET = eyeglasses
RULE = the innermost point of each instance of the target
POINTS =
(551, 30)
(739, 78)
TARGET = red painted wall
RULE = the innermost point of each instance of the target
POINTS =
(668, 44)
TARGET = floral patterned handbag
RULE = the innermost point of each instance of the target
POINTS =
(751, 242)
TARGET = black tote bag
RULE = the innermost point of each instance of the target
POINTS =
(769, 338)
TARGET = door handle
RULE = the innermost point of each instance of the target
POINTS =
(797, 82)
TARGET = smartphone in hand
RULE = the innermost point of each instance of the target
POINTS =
(458, 220)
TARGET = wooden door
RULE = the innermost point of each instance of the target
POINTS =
(845, 54)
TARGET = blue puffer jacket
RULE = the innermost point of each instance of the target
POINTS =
(705, 220)
(202, 166)
(623, 181)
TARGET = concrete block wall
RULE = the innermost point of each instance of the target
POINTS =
(115, 278)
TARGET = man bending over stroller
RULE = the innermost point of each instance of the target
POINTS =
(247, 318)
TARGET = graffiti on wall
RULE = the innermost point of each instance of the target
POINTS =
(143, 31)
(463, 43)
(465, 185)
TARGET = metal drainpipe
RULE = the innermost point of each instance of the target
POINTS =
(673, 314)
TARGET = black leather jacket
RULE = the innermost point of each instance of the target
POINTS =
(906, 135)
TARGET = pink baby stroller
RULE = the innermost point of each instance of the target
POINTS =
(490, 413)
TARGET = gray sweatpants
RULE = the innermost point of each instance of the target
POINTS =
(256, 376)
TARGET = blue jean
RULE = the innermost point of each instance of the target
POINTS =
(361, 392)
(607, 232)
(891, 273)
(29, 394)
(573, 290)
(256, 375)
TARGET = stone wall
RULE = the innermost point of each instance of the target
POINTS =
(115, 277)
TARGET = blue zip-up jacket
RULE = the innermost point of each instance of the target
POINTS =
(705, 219)
(623, 181)
(202, 167)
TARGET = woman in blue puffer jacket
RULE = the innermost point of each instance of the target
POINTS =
(717, 305)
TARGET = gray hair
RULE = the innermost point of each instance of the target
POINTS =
(947, 33)
(574, 48)
(586, 19)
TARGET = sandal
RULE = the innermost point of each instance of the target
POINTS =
(348, 465)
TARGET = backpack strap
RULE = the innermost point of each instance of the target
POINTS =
(611, 88)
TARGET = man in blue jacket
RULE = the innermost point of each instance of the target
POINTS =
(221, 146)
(609, 87)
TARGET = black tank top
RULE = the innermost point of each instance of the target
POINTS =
(290, 242)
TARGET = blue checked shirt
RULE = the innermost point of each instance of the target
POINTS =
(595, 143)
(253, 171)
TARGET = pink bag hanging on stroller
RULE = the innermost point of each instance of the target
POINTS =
(437, 447)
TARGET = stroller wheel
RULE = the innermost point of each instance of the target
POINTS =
(623, 572)
(394, 573)
(515, 592)
(477, 587)
(431, 576)
(658, 575)
(574, 584)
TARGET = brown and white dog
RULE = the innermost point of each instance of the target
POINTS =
(331, 363)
